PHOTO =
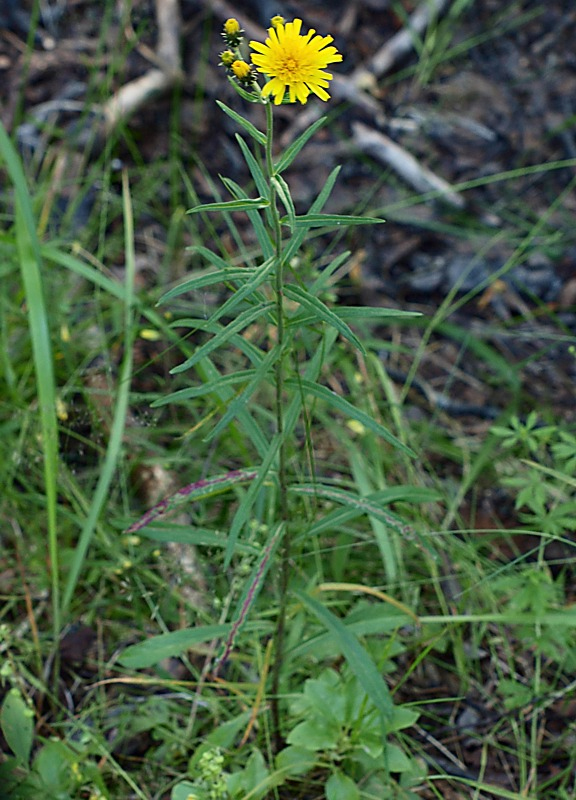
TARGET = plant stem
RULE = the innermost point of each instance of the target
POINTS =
(279, 403)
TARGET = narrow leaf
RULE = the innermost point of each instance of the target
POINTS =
(321, 311)
(241, 322)
(146, 654)
(205, 388)
(239, 402)
(342, 405)
(244, 123)
(207, 279)
(283, 191)
(330, 220)
(199, 490)
(255, 219)
(247, 289)
(291, 152)
(299, 234)
(359, 660)
(254, 167)
(231, 205)
(373, 312)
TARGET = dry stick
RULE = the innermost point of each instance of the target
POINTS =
(400, 44)
(138, 92)
(376, 144)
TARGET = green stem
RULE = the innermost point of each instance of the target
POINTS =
(279, 403)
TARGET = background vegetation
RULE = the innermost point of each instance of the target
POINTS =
(430, 647)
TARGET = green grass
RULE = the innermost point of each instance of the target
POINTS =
(406, 605)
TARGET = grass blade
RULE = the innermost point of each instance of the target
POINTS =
(31, 271)
(114, 449)
(357, 657)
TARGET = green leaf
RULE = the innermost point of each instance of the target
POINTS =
(240, 401)
(205, 388)
(346, 408)
(293, 761)
(341, 787)
(283, 192)
(254, 167)
(321, 311)
(358, 658)
(330, 221)
(231, 205)
(396, 759)
(300, 234)
(292, 151)
(152, 651)
(260, 230)
(363, 620)
(208, 279)
(254, 781)
(247, 289)
(316, 733)
(373, 504)
(373, 312)
(242, 321)
(188, 791)
(199, 537)
(17, 723)
(242, 515)
(244, 123)
(38, 314)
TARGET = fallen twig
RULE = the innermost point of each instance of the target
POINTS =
(138, 92)
(401, 161)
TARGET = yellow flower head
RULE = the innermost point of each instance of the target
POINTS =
(227, 58)
(232, 27)
(294, 63)
(242, 71)
(232, 32)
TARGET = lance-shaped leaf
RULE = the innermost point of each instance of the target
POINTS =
(199, 490)
(340, 404)
(208, 279)
(292, 151)
(359, 660)
(330, 220)
(321, 311)
(232, 205)
(242, 321)
(283, 192)
(244, 123)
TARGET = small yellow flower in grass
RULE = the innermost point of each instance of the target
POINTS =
(294, 63)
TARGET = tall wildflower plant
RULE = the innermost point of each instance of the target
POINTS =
(287, 366)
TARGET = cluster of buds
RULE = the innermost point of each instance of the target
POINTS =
(232, 59)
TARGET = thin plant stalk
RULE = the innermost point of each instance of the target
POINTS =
(279, 402)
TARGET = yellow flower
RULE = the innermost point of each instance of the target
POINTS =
(294, 63)
(242, 71)
(232, 32)
(232, 27)
(227, 58)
